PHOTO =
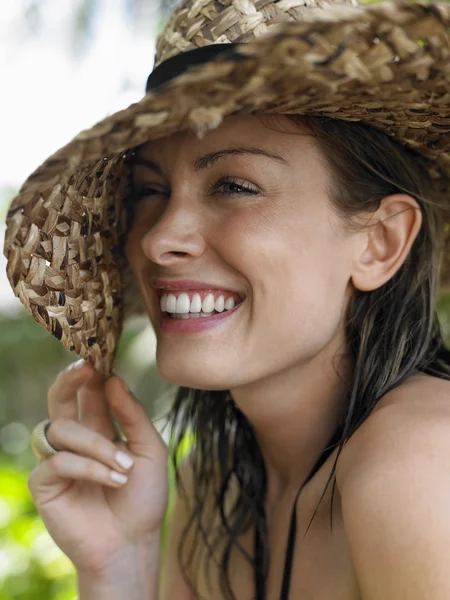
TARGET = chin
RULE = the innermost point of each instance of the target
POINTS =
(193, 377)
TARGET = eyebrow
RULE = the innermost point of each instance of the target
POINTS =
(205, 161)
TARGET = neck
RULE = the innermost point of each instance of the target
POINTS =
(294, 415)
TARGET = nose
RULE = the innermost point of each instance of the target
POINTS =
(175, 237)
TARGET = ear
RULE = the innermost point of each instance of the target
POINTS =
(387, 240)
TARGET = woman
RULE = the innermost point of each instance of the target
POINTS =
(310, 250)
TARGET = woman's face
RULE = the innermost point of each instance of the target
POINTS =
(252, 218)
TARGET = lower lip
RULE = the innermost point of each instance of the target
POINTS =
(169, 325)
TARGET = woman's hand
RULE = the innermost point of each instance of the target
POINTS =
(91, 516)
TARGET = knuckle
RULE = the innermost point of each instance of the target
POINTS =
(59, 427)
(98, 445)
(132, 418)
(58, 462)
(92, 469)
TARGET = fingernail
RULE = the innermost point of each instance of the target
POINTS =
(76, 365)
(119, 477)
(123, 459)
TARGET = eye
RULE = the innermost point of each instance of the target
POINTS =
(225, 186)
(146, 191)
(233, 186)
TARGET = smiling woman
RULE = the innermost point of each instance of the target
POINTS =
(278, 208)
(315, 252)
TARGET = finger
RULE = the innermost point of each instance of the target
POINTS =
(94, 410)
(62, 401)
(66, 434)
(142, 437)
(65, 466)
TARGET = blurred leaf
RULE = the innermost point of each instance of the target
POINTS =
(31, 565)
(14, 491)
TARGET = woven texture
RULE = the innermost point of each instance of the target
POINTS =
(197, 24)
(385, 64)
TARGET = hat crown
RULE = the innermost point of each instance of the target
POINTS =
(198, 23)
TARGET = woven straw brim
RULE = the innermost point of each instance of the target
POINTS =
(386, 65)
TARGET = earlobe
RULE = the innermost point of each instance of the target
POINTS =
(388, 238)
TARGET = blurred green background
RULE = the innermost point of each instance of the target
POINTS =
(32, 34)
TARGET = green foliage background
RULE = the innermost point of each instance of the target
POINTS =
(32, 567)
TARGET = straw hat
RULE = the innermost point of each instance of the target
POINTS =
(385, 64)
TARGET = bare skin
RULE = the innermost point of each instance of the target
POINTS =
(283, 356)
(289, 255)
(101, 524)
(323, 565)
(116, 551)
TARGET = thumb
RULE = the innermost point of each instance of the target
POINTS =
(142, 437)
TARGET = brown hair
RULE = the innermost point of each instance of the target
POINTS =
(392, 332)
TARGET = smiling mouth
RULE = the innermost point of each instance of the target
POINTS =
(196, 303)
(190, 315)
(198, 315)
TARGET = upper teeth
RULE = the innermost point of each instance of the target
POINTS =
(182, 304)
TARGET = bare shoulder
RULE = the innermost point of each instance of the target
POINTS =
(395, 489)
(419, 405)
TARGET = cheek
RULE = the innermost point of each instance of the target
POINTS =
(143, 221)
(281, 246)
(296, 273)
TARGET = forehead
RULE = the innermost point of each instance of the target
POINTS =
(269, 132)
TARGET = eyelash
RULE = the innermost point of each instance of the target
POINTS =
(232, 181)
(246, 190)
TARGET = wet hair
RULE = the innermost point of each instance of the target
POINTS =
(392, 332)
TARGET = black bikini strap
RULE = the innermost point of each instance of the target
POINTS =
(259, 554)
(258, 549)
(290, 547)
